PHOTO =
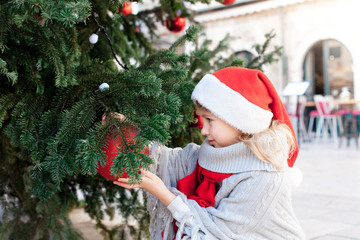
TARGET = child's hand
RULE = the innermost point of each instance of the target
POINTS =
(115, 115)
(151, 183)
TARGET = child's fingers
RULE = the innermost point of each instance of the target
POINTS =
(119, 116)
(144, 172)
(147, 173)
(123, 180)
(121, 184)
(125, 184)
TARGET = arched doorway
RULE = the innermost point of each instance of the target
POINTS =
(328, 66)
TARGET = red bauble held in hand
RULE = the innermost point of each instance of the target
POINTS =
(125, 8)
(175, 25)
(111, 150)
(228, 2)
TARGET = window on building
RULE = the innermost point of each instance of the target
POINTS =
(246, 55)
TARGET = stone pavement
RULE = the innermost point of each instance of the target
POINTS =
(327, 202)
(83, 223)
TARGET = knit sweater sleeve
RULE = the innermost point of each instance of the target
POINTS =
(172, 164)
(250, 205)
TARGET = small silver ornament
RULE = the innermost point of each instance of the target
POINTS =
(93, 38)
(104, 86)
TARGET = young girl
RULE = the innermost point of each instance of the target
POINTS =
(236, 184)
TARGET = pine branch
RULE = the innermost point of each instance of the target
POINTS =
(191, 35)
(11, 76)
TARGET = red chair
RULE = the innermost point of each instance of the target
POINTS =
(328, 121)
(356, 113)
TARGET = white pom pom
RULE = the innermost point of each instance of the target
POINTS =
(104, 86)
(93, 38)
(296, 176)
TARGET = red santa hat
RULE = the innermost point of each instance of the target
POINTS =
(245, 99)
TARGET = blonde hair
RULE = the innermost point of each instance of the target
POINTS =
(272, 145)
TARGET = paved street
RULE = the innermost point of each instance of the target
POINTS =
(327, 202)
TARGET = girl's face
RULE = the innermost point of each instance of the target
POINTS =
(219, 133)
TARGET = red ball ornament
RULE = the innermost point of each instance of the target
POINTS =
(111, 150)
(125, 8)
(228, 2)
(175, 25)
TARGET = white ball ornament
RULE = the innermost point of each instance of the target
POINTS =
(93, 38)
(104, 86)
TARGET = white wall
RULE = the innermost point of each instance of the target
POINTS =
(298, 26)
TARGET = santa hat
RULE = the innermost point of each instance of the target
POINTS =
(245, 99)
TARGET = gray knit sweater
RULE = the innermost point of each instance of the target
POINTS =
(254, 203)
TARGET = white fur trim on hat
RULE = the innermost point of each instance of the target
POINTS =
(231, 106)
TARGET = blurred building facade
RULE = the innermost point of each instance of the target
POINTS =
(320, 40)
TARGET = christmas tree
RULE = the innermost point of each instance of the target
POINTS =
(65, 68)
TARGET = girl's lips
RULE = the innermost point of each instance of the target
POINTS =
(211, 142)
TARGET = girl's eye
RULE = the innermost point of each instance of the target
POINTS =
(209, 119)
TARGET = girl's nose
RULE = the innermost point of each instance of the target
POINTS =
(204, 131)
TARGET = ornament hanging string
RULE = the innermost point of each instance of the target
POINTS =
(109, 41)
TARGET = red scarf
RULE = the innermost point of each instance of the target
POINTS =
(200, 185)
